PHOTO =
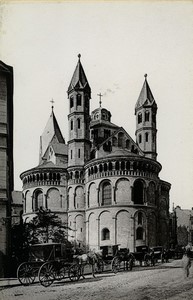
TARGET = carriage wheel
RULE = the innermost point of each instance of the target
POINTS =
(59, 272)
(74, 272)
(46, 274)
(115, 265)
(25, 273)
(99, 266)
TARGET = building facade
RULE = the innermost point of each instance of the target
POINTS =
(182, 225)
(105, 184)
(6, 162)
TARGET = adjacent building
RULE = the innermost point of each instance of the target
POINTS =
(6, 162)
(102, 182)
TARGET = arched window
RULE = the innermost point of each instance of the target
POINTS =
(115, 141)
(106, 193)
(100, 168)
(79, 100)
(140, 138)
(122, 165)
(71, 102)
(71, 124)
(78, 123)
(78, 153)
(139, 233)
(146, 136)
(110, 166)
(117, 165)
(127, 144)
(138, 192)
(139, 118)
(120, 139)
(128, 165)
(140, 218)
(146, 115)
(105, 234)
(38, 200)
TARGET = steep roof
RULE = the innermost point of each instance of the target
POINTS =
(145, 96)
(79, 80)
(51, 130)
(61, 149)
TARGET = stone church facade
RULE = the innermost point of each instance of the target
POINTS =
(102, 182)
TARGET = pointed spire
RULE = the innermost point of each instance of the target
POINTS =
(51, 130)
(146, 96)
(79, 80)
(52, 101)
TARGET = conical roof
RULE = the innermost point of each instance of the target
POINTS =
(146, 96)
(79, 80)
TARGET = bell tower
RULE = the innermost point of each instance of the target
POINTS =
(79, 145)
(146, 131)
(79, 94)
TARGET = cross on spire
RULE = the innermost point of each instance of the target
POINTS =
(52, 101)
(100, 96)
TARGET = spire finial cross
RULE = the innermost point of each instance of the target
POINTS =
(100, 96)
(52, 101)
(79, 56)
(145, 76)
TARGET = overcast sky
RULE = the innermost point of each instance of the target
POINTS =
(119, 42)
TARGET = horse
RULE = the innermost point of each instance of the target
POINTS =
(82, 260)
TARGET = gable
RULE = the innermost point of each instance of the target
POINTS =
(119, 143)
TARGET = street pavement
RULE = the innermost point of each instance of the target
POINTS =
(10, 282)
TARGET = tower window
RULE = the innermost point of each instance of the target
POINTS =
(139, 118)
(146, 136)
(78, 123)
(71, 102)
(147, 116)
(71, 125)
(71, 154)
(140, 138)
(78, 153)
(79, 100)
(140, 218)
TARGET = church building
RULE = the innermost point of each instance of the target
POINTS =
(102, 182)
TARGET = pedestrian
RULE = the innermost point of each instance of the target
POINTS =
(186, 263)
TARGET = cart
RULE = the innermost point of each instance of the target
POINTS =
(48, 262)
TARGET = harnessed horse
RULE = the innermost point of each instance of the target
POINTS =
(82, 260)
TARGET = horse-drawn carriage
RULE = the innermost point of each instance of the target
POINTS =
(144, 255)
(48, 262)
(113, 258)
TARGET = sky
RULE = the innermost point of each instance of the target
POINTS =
(119, 42)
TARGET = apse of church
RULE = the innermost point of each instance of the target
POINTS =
(102, 181)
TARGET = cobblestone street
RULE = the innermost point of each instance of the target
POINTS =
(165, 282)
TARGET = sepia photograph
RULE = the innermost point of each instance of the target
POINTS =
(96, 150)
